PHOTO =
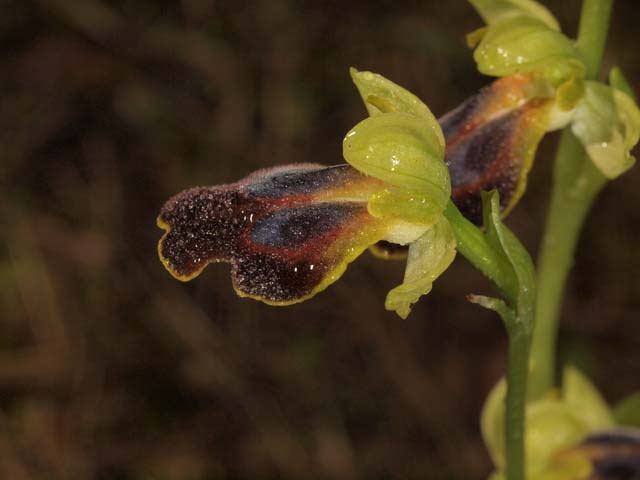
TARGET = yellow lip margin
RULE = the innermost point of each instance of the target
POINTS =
(165, 262)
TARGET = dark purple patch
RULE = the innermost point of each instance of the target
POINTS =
(277, 245)
(615, 455)
(483, 161)
(304, 180)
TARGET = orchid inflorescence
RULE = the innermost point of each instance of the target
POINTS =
(289, 232)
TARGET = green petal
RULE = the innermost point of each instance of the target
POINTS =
(381, 95)
(408, 205)
(607, 123)
(493, 11)
(397, 149)
(583, 398)
(523, 44)
(429, 256)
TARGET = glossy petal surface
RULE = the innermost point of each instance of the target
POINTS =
(429, 256)
(493, 11)
(491, 142)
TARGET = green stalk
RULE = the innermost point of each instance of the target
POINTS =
(511, 270)
(576, 184)
(515, 407)
(473, 245)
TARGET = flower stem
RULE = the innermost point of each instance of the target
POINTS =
(502, 259)
(473, 245)
(517, 373)
(576, 183)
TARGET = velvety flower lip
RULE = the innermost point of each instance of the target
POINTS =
(288, 232)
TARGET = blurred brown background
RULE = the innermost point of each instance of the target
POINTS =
(110, 369)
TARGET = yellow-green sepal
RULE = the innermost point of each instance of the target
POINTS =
(493, 11)
(554, 423)
(381, 95)
(584, 399)
(607, 123)
(627, 411)
(397, 149)
(551, 426)
(429, 256)
(563, 467)
(618, 81)
(523, 44)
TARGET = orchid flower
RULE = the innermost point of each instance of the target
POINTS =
(290, 231)
(571, 434)
(523, 38)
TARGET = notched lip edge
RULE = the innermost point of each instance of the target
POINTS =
(165, 262)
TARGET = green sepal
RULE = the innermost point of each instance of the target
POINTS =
(523, 44)
(411, 206)
(584, 399)
(607, 123)
(618, 81)
(551, 426)
(397, 149)
(429, 256)
(493, 11)
(627, 411)
(381, 95)
(554, 423)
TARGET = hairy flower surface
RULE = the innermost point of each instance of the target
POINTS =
(289, 232)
